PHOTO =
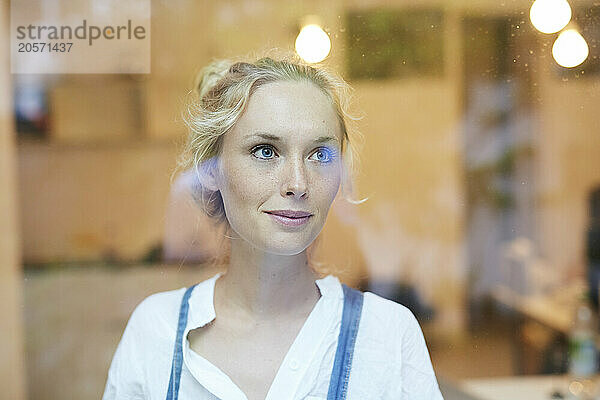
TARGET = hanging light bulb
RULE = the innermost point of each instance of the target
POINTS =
(313, 44)
(550, 16)
(570, 49)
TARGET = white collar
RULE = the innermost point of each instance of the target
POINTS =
(202, 307)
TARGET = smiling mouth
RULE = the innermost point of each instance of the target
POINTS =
(289, 217)
(290, 213)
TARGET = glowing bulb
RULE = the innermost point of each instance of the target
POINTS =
(313, 44)
(570, 49)
(550, 16)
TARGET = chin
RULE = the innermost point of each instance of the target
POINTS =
(289, 247)
(278, 241)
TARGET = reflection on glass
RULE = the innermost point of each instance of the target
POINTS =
(570, 49)
(550, 16)
(313, 44)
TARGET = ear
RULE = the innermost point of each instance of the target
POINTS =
(207, 172)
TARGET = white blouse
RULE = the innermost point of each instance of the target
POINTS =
(390, 361)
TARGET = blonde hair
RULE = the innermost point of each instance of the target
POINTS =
(222, 91)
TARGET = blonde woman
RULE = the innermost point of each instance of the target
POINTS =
(272, 145)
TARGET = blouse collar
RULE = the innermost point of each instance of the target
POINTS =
(202, 307)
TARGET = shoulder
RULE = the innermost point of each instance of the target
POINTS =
(384, 313)
(158, 310)
(390, 335)
(395, 325)
(148, 328)
(161, 301)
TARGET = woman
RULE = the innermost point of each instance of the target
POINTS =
(271, 144)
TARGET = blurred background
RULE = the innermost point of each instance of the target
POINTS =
(481, 161)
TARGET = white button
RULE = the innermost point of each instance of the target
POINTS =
(294, 365)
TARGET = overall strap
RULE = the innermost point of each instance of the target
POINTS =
(173, 391)
(338, 385)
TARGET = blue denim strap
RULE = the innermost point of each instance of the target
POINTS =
(173, 391)
(338, 385)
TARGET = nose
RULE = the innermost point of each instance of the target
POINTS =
(294, 182)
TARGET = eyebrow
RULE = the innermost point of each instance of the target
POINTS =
(268, 136)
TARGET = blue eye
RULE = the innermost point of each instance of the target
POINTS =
(263, 152)
(323, 154)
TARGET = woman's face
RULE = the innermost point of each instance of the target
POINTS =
(280, 167)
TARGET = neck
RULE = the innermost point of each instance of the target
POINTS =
(264, 286)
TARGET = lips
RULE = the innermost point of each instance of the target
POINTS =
(290, 213)
(290, 218)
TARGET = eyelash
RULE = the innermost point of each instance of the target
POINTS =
(331, 153)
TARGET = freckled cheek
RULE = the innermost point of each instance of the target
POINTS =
(248, 187)
(327, 186)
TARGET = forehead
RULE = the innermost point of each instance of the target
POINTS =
(291, 110)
